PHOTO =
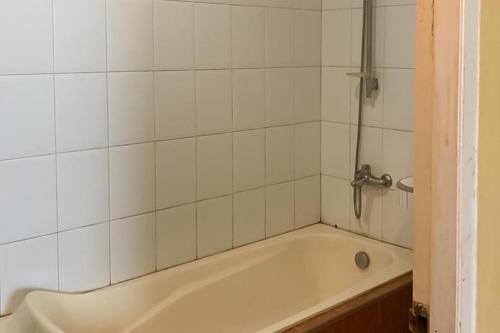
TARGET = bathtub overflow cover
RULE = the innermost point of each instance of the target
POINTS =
(362, 260)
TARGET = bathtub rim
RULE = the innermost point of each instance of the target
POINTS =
(401, 256)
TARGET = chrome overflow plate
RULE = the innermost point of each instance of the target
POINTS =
(362, 260)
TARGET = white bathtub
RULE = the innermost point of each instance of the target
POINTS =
(264, 287)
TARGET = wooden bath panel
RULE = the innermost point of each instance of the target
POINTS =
(384, 309)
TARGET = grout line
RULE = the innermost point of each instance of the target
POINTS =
(194, 68)
(154, 141)
(294, 114)
(368, 126)
(266, 28)
(321, 117)
(155, 157)
(350, 67)
(382, 95)
(351, 127)
(196, 132)
(248, 5)
(231, 59)
(360, 7)
(107, 148)
(55, 142)
(162, 209)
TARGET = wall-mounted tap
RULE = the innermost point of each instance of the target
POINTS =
(364, 177)
(369, 84)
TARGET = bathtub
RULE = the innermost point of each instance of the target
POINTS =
(264, 287)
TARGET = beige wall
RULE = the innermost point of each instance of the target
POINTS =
(489, 165)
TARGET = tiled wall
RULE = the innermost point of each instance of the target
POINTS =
(137, 134)
(387, 119)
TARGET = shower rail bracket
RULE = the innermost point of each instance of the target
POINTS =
(370, 81)
(363, 75)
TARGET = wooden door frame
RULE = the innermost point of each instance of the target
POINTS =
(446, 126)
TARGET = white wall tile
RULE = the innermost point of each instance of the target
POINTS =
(335, 201)
(137, 57)
(132, 247)
(27, 198)
(280, 217)
(82, 188)
(370, 223)
(24, 266)
(307, 97)
(336, 4)
(84, 258)
(399, 2)
(249, 159)
(279, 37)
(212, 36)
(248, 31)
(249, 216)
(307, 149)
(336, 38)
(335, 158)
(400, 30)
(261, 3)
(174, 35)
(129, 34)
(216, 1)
(383, 146)
(81, 111)
(307, 201)
(131, 107)
(359, 3)
(307, 44)
(378, 36)
(279, 154)
(214, 101)
(175, 104)
(80, 35)
(175, 236)
(215, 174)
(279, 96)
(175, 172)
(398, 154)
(215, 225)
(398, 221)
(249, 99)
(132, 180)
(335, 96)
(370, 150)
(27, 47)
(27, 116)
(281, 3)
(377, 3)
(399, 98)
(373, 107)
(308, 4)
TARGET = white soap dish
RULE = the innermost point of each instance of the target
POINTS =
(405, 189)
(405, 184)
